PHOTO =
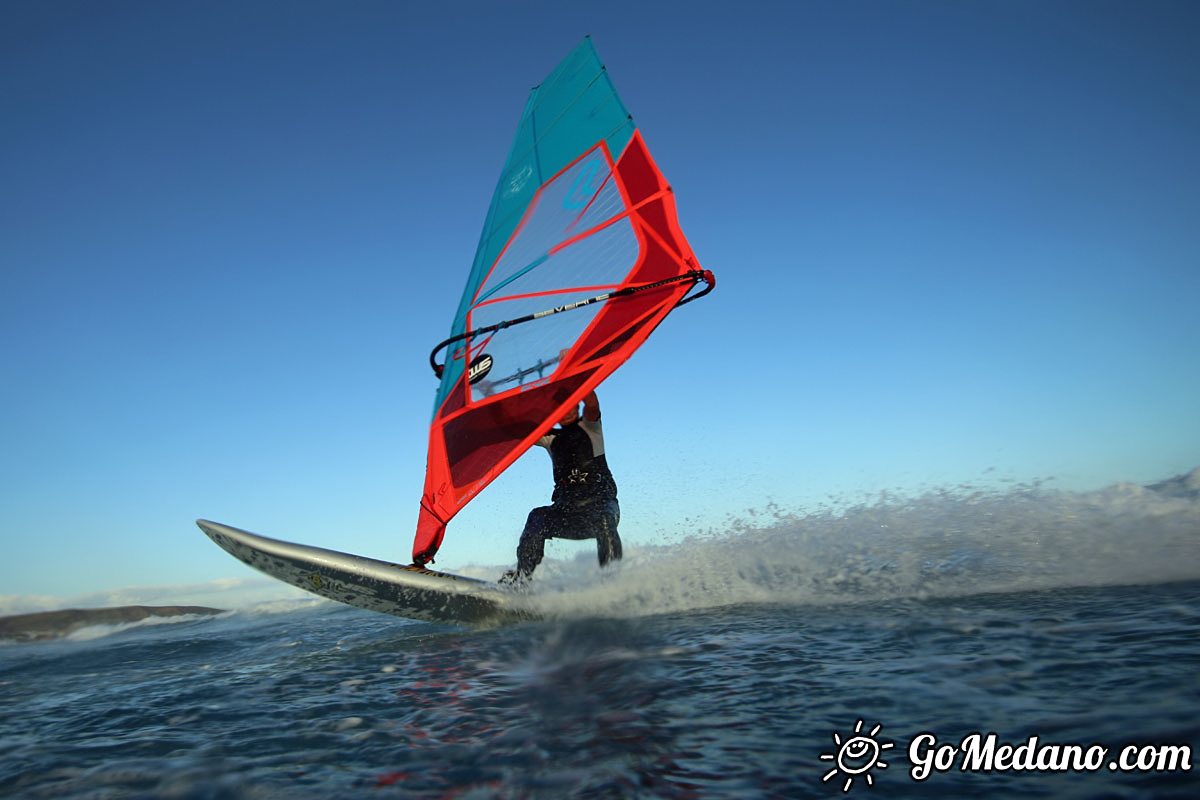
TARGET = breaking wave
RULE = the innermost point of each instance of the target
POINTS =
(91, 632)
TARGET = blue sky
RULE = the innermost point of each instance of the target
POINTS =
(955, 243)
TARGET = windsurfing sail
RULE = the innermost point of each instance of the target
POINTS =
(581, 257)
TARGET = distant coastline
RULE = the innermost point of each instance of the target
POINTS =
(46, 625)
(1184, 486)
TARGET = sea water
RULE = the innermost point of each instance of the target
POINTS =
(1024, 642)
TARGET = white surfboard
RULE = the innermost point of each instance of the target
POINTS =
(403, 591)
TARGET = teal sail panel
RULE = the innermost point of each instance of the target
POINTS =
(570, 111)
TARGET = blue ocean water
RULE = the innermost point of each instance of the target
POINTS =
(723, 667)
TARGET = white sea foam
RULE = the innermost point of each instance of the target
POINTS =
(88, 633)
(302, 601)
(940, 544)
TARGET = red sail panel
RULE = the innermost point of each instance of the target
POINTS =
(595, 226)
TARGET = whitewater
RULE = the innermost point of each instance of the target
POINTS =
(738, 663)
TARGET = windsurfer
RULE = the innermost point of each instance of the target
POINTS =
(584, 503)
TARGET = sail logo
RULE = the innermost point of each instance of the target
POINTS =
(581, 193)
(479, 368)
(539, 382)
(517, 182)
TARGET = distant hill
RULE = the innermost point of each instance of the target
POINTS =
(55, 624)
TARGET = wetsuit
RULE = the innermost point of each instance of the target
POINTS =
(584, 499)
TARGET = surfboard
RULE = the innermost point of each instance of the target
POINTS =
(403, 591)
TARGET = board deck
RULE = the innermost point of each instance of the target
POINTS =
(403, 591)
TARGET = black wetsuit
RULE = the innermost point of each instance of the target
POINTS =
(585, 497)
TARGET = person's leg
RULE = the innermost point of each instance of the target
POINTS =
(547, 522)
(532, 547)
(608, 541)
(552, 522)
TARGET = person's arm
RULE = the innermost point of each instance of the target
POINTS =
(591, 407)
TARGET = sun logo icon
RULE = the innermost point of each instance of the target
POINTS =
(857, 755)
